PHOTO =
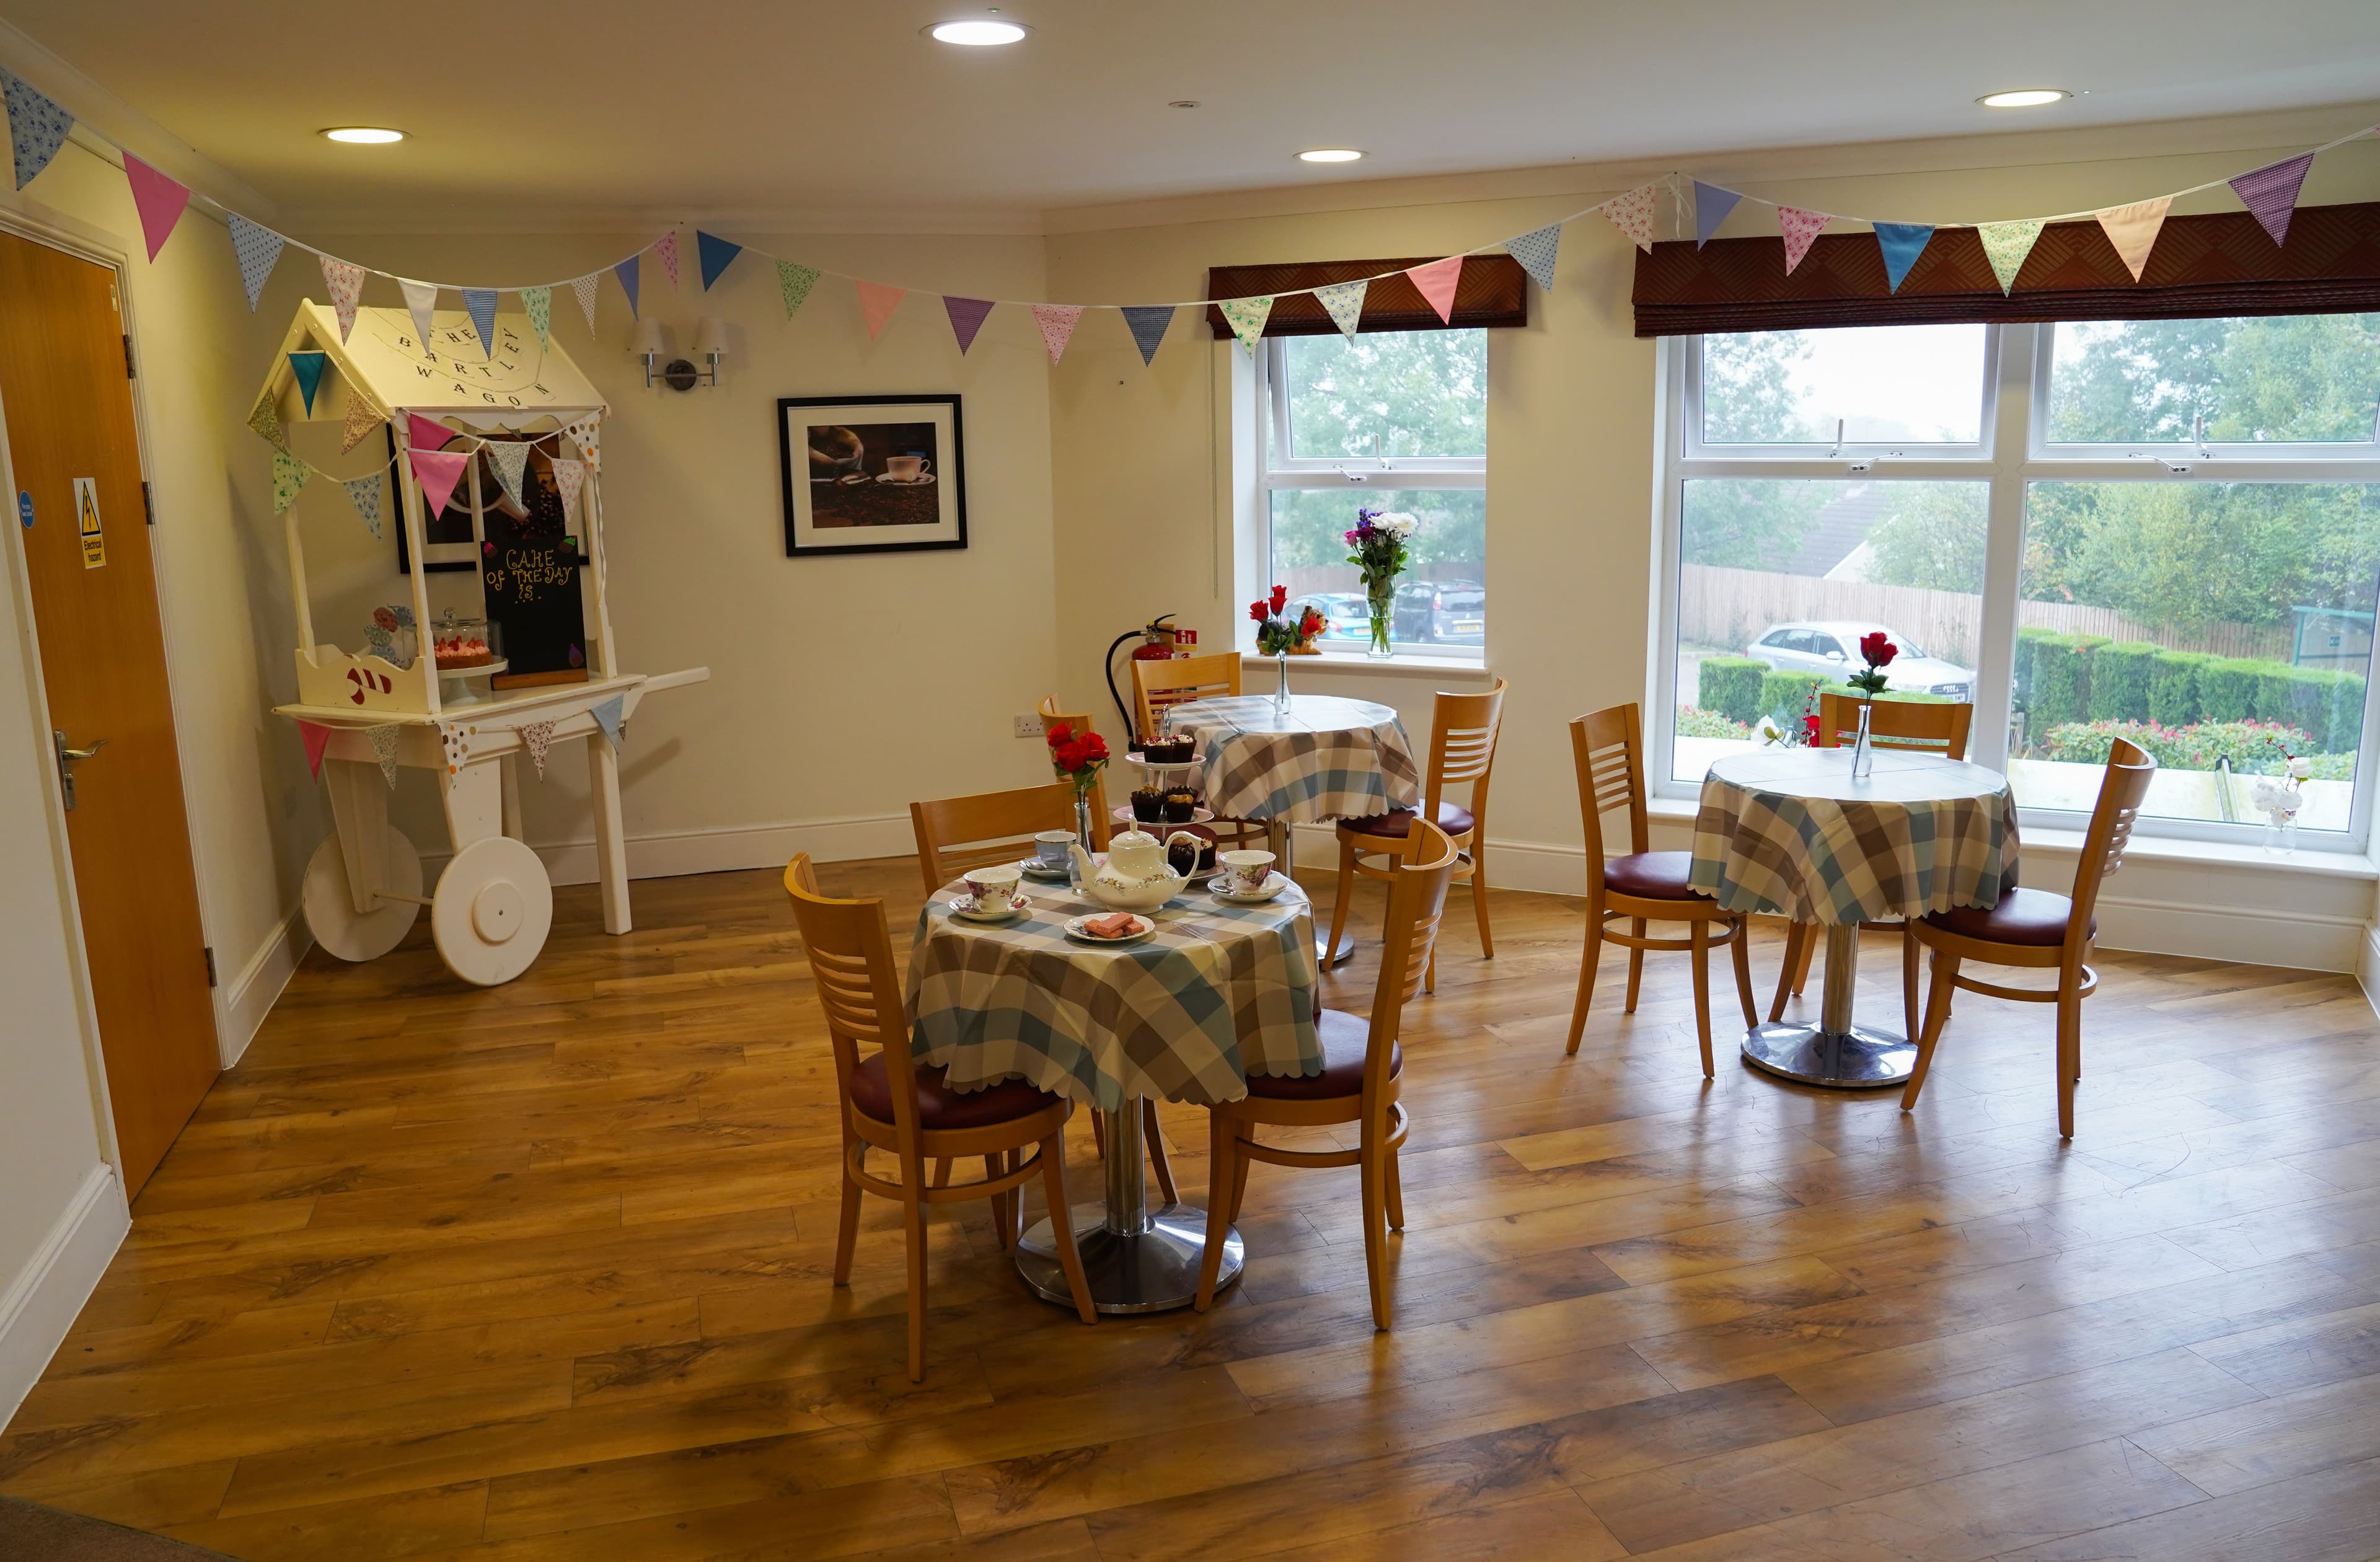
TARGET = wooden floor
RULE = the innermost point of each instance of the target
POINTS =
(542, 1272)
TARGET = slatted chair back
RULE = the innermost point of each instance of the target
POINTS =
(1463, 746)
(2130, 771)
(1417, 907)
(850, 963)
(956, 835)
(1897, 724)
(1609, 747)
(1157, 687)
(1079, 722)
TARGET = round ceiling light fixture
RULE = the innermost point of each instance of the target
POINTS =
(2025, 97)
(983, 34)
(1330, 154)
(363, 135)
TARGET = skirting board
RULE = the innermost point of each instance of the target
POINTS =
(250, 996)
(672, 853)
(40, 1303)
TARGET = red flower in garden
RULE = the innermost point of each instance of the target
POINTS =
(1877, 648)
(1810, 728)
(1280, 598)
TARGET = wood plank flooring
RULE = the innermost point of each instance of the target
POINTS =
(542, 1273)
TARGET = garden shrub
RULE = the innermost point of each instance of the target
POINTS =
(1729, 686)
(2227, 689)
(1786, 695)
(2325, 701)
(2062, 680)
(2255, 748)
(2120, 676)
(2173, 686)
(2027, 638)
(1694, 722)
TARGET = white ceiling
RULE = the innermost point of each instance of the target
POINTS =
(706, 106)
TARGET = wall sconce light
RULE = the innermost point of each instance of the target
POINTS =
(678, 373)
(647, 344)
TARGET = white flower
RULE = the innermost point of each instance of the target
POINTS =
(1397, 524)
(2300, 769)
(1768, 732)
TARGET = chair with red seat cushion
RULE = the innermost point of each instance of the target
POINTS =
(912, 1114)
(1461, 753)
(1360, 1078)
(2034, 928)
(1641, 884)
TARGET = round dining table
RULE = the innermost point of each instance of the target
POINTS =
(1218, 992)
(1792, 833)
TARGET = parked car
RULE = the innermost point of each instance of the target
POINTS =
(1441, 612)
(1350, 616)
(1832, 647)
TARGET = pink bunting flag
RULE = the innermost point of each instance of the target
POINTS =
(423, 434)
(1632, 214)
(877, 302)
(1057, 323)
(159, 200)
(2134, 230)
(438, 472)
(345, 282)
(317, 738)
(1802, 230)
(665, 250)
(1437, 282)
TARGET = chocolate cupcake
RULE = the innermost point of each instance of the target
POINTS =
(1180, 804)
(1148, 805)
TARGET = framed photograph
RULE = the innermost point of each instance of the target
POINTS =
(875, 476)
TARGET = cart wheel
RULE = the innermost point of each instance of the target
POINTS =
(331, 910)
(491, 910)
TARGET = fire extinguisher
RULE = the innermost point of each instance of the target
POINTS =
(1158, 639)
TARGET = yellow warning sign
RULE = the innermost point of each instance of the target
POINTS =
(94, 546)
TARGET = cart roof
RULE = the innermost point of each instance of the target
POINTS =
(383, 360)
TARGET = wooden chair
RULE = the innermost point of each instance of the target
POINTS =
(1362, 1075)
(1911, 727)
(1642, 885)
(1158, 686)
(892, 1104)
(2038, 929)
(1461, 751)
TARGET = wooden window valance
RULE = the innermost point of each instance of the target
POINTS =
(2221, 264)
(1492, 290)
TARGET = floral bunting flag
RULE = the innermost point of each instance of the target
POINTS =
(258, 251)
(289, 475)
(626, 272)
(1344, 302)
(568, 478)
(1802, 229)
(2134, 230)
(877, 302)
(510, 457)
(1147, 324)
(966, 318)
(1437, 282)
(362, 418)
(421, 301)
(1246, 318)
(384, 746)
(1057, 323)
(538, 303)
(1712, 205)
(1632, 214)
(794, 281)
(714, 254)
(345, 281)
(585, 287)
(1902, 244)
(308, 368)
(1536, 252)
(665, 251)
(2007, 244)
(364, 493)
(37, 126)
(481, 304)
(160, 200)
(2271, 194)
(438, 472)
(317, 738)
(265, 418)
(536, 737)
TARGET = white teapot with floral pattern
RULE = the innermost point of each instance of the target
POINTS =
(1135, 876)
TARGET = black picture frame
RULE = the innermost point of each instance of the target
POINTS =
(866, 501)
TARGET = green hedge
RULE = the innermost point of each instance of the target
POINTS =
(2062, 680)
(2227, 689)
(2327, 704)
(2120, 676)
(1730, 687)
(1786, 695)
(2027, 639)
(2173, 686)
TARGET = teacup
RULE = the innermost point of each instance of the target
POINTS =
(995, 887)
(906, 468)
(1049, 848)
(1245, 873)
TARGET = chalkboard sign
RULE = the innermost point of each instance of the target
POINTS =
(529, 567)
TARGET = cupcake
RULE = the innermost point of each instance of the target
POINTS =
(1148, 805)
(1180, 803)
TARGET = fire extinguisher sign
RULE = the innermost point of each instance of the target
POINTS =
(94, 542)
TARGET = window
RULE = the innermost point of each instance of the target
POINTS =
(2166, 530)
(1394, 420)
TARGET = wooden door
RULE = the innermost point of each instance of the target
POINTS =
(66, 394)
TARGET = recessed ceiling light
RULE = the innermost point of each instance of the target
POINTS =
(364, 135)
(977, 34)
(1330, 154)
(2025, 97)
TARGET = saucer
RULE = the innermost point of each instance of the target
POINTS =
(1034, 869)
(1074, 931)
(963, 909)
(1274, 883)
(920, 480)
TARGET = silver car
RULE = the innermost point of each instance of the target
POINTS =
(1832, 647)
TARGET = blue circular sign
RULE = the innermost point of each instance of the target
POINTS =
(25, 508)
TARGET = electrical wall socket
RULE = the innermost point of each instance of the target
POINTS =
(1029, 727)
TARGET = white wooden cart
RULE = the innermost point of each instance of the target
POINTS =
(494, 902)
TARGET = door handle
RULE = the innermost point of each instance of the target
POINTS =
(67, 758)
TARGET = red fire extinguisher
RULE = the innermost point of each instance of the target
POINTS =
(1159, 642)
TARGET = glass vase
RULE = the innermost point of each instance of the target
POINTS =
(1281, 690)
(1380, 599)
(1863, 750)
(2280, 834)
(1083, 838)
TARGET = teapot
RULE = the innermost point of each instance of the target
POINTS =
(1135, 876)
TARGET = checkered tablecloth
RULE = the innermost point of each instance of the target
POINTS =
(1787, 830)
(1329, 758)
(1221, 991)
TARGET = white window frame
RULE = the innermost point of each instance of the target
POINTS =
(1354, 474)
(2014, 453)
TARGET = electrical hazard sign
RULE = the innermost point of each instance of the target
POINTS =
(94, 542)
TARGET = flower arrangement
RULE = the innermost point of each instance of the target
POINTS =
(1077, 760)
(1377, 548)
(1280, 635)
(1878, 651)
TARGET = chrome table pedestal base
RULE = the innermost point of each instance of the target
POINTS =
(1136, 1259)
(1835, 1052)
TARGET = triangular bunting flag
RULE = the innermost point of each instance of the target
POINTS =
(1902, 244)
(588, 434)
(256, 249)
(877, 302)
(510, 457)
(2007, 244)
(538, 303)
(1802, 229)
(1149, 324)
(665, 251)
(1344, 302)
(364, 494)
(1057, 323)
(1632, 214)
(585, 287)
(308, 367)
(568, 478)
(423, 434)
(345, 281)
(626, 272)
(317, 738)
(480, 302)
(1246, 318)
(966, 318)
(289, 475)
(362, 418)
(607, 716)
(714, 254)
(421, 299)
(1712, 203)
(1536, 252)
(160, 202)
(37, 127)
(2134, 230)
(794, 281)
(536, 737)
(2272, 193)
(1437, 282)
(383, 748)
(265, 418)
(438, 472)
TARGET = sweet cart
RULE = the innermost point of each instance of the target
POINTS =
(367, 714)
